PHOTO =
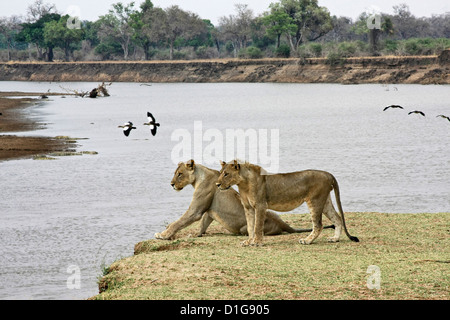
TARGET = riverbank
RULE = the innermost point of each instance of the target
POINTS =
(14, 118)
(386, 69)
(410, 250)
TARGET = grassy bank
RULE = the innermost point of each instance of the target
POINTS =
(411, 250)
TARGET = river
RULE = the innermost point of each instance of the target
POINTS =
(69, 218)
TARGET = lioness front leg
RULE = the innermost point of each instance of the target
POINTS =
(187, 219)
(260, 217)
(250, 217)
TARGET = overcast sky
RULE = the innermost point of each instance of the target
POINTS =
(213, 9)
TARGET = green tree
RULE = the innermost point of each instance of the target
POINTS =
(33, 33)
(141, 21)
(278, 23)
(58, 34)
(116, 26)
(311, 21)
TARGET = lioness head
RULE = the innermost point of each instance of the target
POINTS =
(229, 175)
(184, 175)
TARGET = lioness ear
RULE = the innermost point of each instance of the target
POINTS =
(237, 166)
(190, 164)
(223, 163)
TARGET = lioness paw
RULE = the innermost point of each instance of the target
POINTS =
(256, 243)
(333, 239)
(159, 236)
(304, 241)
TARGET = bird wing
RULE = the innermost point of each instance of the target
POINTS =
(386, 108)
(154, 129)
(151, 118)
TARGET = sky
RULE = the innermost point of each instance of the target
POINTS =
(214, 9)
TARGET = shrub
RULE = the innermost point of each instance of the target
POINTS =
(390, 46)
(347, 49)
(315, 49)
(412, 47)
(335, 58)
(283, 51)
(250, 53)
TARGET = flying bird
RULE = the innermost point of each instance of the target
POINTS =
(442, 116)
(127, 127)
(152, 123)
(417, 112)
(393, 107)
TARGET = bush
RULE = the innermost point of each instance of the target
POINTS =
(347, 49)
(315, 49)
(251, 53)
(335, 58)
(390, 46)
(283, 51)
(412, 47)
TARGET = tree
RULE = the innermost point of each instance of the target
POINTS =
(141, 22)
(407, 25)
(174, 23)
(278, 23)
(237, 28)
(33, 33)
(9, 28)
(312, 21)
(116, 25)
(39, 9)
(57, 34)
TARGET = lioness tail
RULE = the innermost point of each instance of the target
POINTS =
(338, 202)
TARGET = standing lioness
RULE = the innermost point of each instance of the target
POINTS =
(209, 204)
(283, 192)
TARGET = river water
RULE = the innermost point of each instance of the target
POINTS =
(63, 221)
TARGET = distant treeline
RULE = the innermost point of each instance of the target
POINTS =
(289, 28)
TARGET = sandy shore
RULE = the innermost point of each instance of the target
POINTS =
(13, 119)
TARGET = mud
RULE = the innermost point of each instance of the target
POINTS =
(13, 118)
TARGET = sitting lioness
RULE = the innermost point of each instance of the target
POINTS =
(283, 192)
(210, 204)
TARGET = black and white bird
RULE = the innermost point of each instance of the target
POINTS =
(442, 116)
(152, 123)
(417, 112)
(127, 127)
(393, 107)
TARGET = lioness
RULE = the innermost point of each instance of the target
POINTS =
(283, 192)
(210, 204)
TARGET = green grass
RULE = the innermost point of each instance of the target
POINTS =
(411, 250)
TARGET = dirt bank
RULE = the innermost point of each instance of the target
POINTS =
(14, 118)
(411, 70)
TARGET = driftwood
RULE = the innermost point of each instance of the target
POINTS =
(94, 93)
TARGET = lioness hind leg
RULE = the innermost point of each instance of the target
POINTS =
(316, 209)
(331, 213)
